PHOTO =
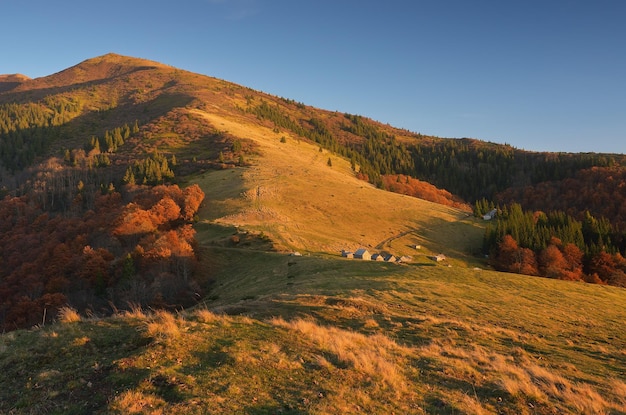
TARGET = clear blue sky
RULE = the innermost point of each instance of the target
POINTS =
(545, 75)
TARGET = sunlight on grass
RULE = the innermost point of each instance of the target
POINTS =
(206, 316)
(68, 315)
(619, 390)
(135, 402)
(81, 341)
(163, 325)
(135, 313)
(517, 375)
(290, 193)
(372, 355)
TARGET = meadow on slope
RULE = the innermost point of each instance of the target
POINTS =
(320, 334)
(326, 335)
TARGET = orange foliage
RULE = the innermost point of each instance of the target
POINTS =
(49, 260)
(193, 197)
(611, 269)
(552, 263)
(599, 190)
(574, 258)
(511, 258)
(134, 221)
(164, 211)
(413, 187)
(565, 262)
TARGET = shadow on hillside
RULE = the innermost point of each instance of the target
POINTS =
(455, 239)
(280, 408)
(76, 133)
(35, 93)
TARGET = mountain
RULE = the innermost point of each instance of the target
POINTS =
(172, 243)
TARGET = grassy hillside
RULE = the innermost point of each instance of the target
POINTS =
(314, 333)
(326, 336)
(294, 197)
(319, 334)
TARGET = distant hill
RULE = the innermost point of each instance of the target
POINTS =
(108, 91)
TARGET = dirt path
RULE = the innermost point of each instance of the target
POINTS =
(382, 244)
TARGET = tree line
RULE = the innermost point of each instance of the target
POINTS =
(469, 168)
(556, 245)
(27, 129)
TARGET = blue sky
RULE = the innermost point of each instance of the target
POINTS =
(546, 75)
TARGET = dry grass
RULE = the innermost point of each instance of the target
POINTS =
(518, 375)
(376, 356)
(291, 195)
(207, 317)
(135, 402)
(163, 325)
(619, 390)
(81, 341)
(68, 315)
(135, 313)
(583, 397)
(370, 323)
(470, 405)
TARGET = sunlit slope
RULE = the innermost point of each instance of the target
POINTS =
(296, 197)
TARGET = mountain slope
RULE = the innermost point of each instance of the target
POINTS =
(275, 332)
(9, 82)
(292, 195)
(327, 336)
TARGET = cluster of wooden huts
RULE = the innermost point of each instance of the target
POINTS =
(365, 255)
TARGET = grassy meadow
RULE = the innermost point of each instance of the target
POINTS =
(320, 334)
(327, 335)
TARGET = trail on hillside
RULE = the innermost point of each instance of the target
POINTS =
(382, 244)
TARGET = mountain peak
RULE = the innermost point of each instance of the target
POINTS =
(106, 66)
(117, 59)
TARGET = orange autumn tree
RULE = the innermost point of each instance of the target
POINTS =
(165, 211)
(511, 257)
(574, 259)
(552, 263)
(610, 269)
(399, 183)
(157, 227)
(193, 197)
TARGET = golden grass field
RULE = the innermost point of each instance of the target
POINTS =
(293, 196)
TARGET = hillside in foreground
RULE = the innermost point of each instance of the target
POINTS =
(320, 335)
(314, 333)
